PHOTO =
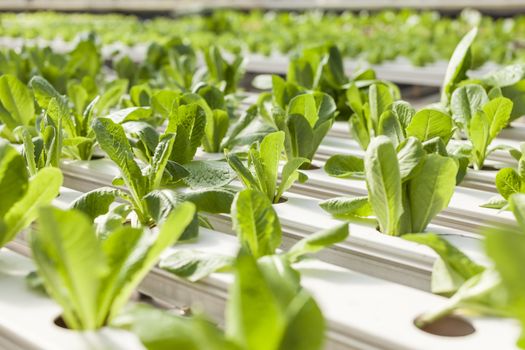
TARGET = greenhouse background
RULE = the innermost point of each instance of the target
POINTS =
(262, 174)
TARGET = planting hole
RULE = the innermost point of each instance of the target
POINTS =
(311, 166)
(282, 200)
(448, 326)
(59, 321)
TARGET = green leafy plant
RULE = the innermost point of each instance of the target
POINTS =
(264, 159)
(148, 192)
(222, 72)
(480, 118)
(22, 195)
(308, 118)
(407, 187)
(398, 121)
(508, 182)
(259, 232)
(493, 291)
(267, 309)
(93, 279)
(369, 106)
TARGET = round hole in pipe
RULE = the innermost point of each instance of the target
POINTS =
(448, 326)
(59, 322)
(282, 200)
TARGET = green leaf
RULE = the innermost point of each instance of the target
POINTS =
(111, 96)
(305, 106)
(403, 111)
(508, 182)
(344, 166)
(188, 123)
(254, 319)
(354, 99)
(317, 241)
(379, 98)
(213, 96)
(283, 91)
(205, 174)
(162, 330)
(43, 188)
(13, 176)
(517, 205)
(69, 259)
(113, 141)
(409, 156)
(483, 293)
(160, 160)
(456, 262)
(256, 222)
(495, 202)
(23, 133)
(486, 125)
(211, 200)
(507, 249)
(164, 102)
(130, 266)
(244, 174)
(505, 76)
(289, 175)
(194, 265)
(266, 161)
(458, 65)
(498, 113)
(300, 135)
(431, 189)
(359, 130)
(466, 101)
(383, 182)
(429, 123)
(215, 131)
(346, 206)
(96, 202)
(241, 124)
(389, 125)
(130, 114)
(516, 93)
(16, 103)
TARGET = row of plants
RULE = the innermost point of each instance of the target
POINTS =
(152, 134)
(422, 37)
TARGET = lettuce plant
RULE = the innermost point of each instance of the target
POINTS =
(407, 186)
(221, 72)
(267, 308)
(307, 120)
(508, 182)
(264, 159)
(259, 232)
(399, 121)
(368, 107)
(21, 195)
(93, 278)
(481, 118)
(148, 193)
(494, 291)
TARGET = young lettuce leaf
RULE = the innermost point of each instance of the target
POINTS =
(20, 195)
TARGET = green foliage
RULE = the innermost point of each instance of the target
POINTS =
(20, 195)
(93, 279)
(259, 232)
(492, 291)
(407, 187)
(264, 159)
